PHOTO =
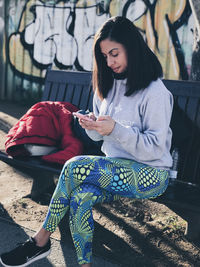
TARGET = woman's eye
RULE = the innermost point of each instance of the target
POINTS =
(115, 55)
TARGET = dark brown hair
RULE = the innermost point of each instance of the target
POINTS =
(143, 65)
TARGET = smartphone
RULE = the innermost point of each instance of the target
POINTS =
(81, 116)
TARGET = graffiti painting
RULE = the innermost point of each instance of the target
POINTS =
(60, 33)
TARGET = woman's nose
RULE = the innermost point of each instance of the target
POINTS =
(110, 61)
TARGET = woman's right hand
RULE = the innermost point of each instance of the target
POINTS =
(103, 125)
(92, 116)
(82, 122)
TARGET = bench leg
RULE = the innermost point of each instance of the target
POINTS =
(43, 183)
(192, 231)
(192, 218)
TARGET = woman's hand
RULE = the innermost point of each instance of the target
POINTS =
(103, 125)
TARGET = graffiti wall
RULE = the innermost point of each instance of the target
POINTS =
(42, 33)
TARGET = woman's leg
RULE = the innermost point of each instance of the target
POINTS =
(114, 176)
(102, 179)
(81, 218)
(42, 237)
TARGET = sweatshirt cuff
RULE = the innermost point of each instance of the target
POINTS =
(94, 135)
(117, 132)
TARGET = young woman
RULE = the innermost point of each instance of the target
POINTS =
(132, 112)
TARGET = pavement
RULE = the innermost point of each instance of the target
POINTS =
(62, 253)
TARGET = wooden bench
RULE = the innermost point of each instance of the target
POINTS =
(183, 193)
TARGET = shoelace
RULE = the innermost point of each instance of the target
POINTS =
(24, 243)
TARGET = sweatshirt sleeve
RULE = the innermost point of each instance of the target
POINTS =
(94, 135)
(149, 143)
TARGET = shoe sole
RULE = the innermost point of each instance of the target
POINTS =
(39, 257)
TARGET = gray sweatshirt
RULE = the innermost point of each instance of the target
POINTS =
(141, 132)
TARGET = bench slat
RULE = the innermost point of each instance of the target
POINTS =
(77, 95)
(54, 91)
(90, 102)
(61, 92)
(192, 108)
(46, 92)
(85, 98)
(69, 93)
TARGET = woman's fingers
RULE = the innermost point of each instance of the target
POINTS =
(103, 125)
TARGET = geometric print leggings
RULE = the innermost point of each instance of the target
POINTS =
(87, 180)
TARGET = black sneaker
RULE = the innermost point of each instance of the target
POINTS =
(25, 254)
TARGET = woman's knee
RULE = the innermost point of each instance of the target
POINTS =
(79, 160)
(75, 168)
(71, 162)
(75, 160)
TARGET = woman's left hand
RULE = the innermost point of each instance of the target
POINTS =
(103, 125)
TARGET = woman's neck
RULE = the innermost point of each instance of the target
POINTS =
(120, 76)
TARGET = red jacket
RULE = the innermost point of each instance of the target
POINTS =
(47, 123)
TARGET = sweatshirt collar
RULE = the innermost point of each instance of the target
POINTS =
(124, 81)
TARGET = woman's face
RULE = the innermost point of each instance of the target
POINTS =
(115, 55)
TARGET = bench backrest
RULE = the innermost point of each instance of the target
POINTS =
(69, 86)
(185, 125)
(75, 87)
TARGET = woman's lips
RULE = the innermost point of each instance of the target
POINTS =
(116, 69)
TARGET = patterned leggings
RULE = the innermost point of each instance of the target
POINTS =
(87, 180)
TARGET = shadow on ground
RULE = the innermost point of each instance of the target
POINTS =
(11, 233)
(132, 237)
